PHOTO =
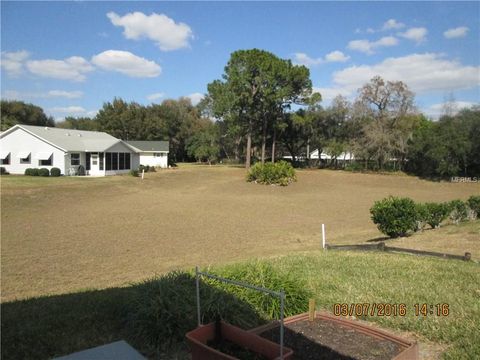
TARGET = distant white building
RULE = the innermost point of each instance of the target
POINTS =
(100, 154)
(153, 153)
(345, 156)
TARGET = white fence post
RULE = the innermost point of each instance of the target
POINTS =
(143, 173)
(323, 236)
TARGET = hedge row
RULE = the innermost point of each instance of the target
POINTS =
(43, 172)
(398, 216)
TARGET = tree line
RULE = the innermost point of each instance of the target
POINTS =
(264, 107)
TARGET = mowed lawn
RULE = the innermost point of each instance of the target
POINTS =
(65, 234)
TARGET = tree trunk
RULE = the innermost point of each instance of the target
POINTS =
(273, 144)
(249, 149)
(264, 141)
(308, 149)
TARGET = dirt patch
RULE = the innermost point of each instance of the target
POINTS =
(323, 340)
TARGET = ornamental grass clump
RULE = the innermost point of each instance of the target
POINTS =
(395, 216)
(280, 173)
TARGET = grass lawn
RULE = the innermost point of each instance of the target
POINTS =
(50, 326)
(62, 235)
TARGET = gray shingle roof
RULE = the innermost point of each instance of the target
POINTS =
(149, 145)
(73, 140)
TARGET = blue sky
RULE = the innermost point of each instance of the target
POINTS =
(71, 57)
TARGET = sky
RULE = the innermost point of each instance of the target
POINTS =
(71, 57)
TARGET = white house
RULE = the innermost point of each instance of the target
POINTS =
(100, 154)
(153, 153)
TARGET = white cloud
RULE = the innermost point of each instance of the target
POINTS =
(13, 62)
(421, 72)
(418, 35)
(392, 24)
(126, 63)
(336, 56)
(68, 109)
(155, 96)
(304, 59)
(14, 94)
(64, 94)
(167, 34)
(73, 68)
(456, 32)
(195, 98)
(436, 110)
(368, 47)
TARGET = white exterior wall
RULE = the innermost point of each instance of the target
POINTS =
(149, 159)
(20, 141)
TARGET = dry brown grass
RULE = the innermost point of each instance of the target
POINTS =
(65, 234)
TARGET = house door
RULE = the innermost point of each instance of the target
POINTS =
(94, 163)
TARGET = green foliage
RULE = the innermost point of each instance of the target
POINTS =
(34, 172)
(55, 172)
(43, 172)
(265, 275)
(134, 173)
(474, 204)
(204, 145)
(146, 168)
(436, 213)
(421, 216)
(279, 173)
(3, 171)
(18, 112)
(458, 211)
(394, 216)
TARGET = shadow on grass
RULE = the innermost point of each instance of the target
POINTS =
(152, 316)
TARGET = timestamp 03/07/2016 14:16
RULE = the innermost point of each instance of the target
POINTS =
(386, 309)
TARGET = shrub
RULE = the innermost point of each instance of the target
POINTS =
(34, 172)
(152, 169)
(165, 307)
(134, 173)
(3, 171)
(474, 204)
(55, 172)
(43, 172)
(81, 170)
(458, 211)
(422, 216)
(279, 173)
(28, 172)
(394, 216)
(436, 213)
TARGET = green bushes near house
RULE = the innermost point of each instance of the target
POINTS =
(146, 168)
(280, 173)
(55, 172)
(134, 173)
(399, 216)
(3, 171)
(43, 172)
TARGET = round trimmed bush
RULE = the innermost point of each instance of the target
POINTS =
(422, 216)
(35, 172)
(474, 204)
(3, 171)
(280, 173)
(28, 172)
(55, 172)
(395, 216)
(134, 173)
(436, 213)
(43, 172)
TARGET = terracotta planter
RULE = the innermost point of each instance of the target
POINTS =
(409, 349)
(199, 337)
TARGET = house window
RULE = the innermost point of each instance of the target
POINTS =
(47, 162)
(127, 161)
(114, 161)
(25, 160)
(5, 160)
(121, 161)
(75, 159)
(87, 161)
(101, 161)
